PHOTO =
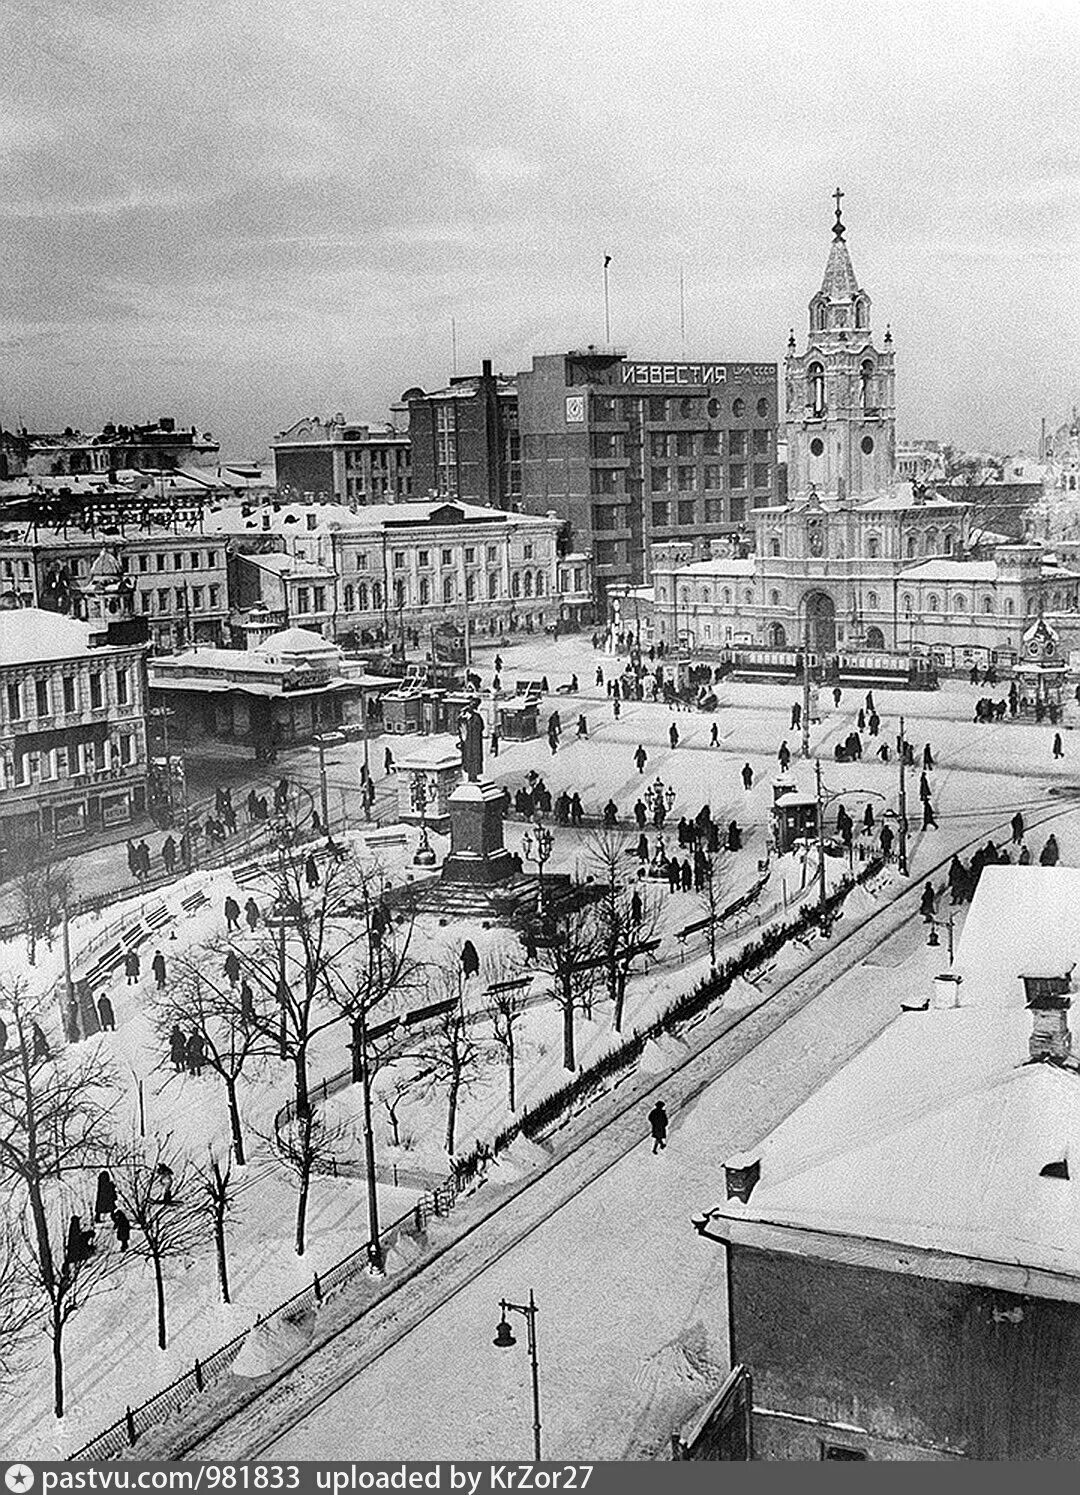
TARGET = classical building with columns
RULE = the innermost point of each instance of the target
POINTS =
(856, 562)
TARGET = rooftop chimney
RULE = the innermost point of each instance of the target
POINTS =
(1047, 999)
(485, 368)
(741, 1174)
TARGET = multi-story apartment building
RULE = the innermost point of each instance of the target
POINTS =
(465, 442)
(73, 750)
(158, 444)
(632, 453)
(395, 567)
(178, 579)
(337, 461)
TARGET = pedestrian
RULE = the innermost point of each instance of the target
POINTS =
(747, 776)
(194, 1054)
(868, 818)
(734, 836)
(1017, 824)
(157, 965)
(674, 875)
(498, 663)
(687, 875)
(122, 1226)
(311, 871)
(924, 788)
(673, 735)
(714, 735)
(232, 967)
(616, 706)
(636, 907)
(640, 814)
(131, 967)
(641, 757)
(784, 757)
(611, 814)
(836, 695)
(80, 1242)
(869, 702)
(796, 716)
(658, 1125)
(927, 759)
(232, 913)
(388, 762)
(582, 727)
(1024, 859)
(599, 676)
(875, 723)
(927, 901)
(1049, 855)
(553, 742)
(886, 840)
(860, 720)
(105, 1197)
(247, 1003)
(883, 752)
(470, 960)
(1059, 751)
(106, 1014)
(177, 1048)
(929, 819)
(168, 854)
(577, 809)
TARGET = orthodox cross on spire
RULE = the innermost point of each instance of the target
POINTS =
(838, 227)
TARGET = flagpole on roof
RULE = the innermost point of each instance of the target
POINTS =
(607, 304)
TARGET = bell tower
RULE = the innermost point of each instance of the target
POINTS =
(840, 411)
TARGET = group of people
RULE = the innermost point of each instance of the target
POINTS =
(232, 913)
(187, 1054)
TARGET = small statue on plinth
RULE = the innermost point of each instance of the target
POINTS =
(471, 735)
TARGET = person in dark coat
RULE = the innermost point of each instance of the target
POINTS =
(837, 693)
(643, 847)
(106, 1014)
(1059, 751)
(886, 840)
(311, 871)
(658, 1125)
(168, 854)
(247, 1002)
(251, 913)
(131, 967)
(929, 819)
(157, 965)
(232, 967)
(611, 814)
(470, 960)
(122, 1226)
(734, 837)
(796, 716)
(105, 1197)
(232, 913)
(673, 735)
(927, 759)
(924, 788)
(388, 762)
(673, 872)
(868, 817)
(41, 1047)
(80, 1242)
(1017, 824)
(860, 720)
(195, 1053)
(927, 901)
(747, 776)
(494, 746)
(1049, 855)
(577, 809)
(874, 724)
(641, 757)
(641, 815)
(687, 875)
(636, 907)
(784, 757)
(582, 726)
(177, 1048)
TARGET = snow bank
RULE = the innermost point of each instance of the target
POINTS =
(273, 1343)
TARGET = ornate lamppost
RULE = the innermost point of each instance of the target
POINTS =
(537, 845)
(420, 798)
(504, 1339)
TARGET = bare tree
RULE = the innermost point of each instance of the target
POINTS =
(508, 984)
(20, 1309)
(155, 1187)
(711, 896)
(392, 1097)
(448, 1056)
(43, 889)
(627, 915)
(307, 1144)
(569, 950)
(208, 1004)
(220, 1192)
(53, 1125)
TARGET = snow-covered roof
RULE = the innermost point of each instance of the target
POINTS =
(719, 566)
(903, 497)
(30, 635)
(1022, 921)
(292, 566)
(298, 642)
(292, 518)
(951, 570)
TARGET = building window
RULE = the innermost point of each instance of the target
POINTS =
(661, 480)
(661, 515)
(603, 407)
(377, 595)
(873, 547)
(161, 562)
(493, 584)
(446, 467)
(988, 604)
(361, 562)
(528, 551)
(763, 410)
(362, 597)
(399, 592)
(163, 600)
(931, 542)
(422, 557)
(604, 444)
(748, 596)
(539, 583)
(492, 555)
(213, 595)
(738, 408)
(1010, 607)
(947, 540)
(908, 604)
(470, 588)
(144, 563)
(737, 474)
(657, 408)
(41, 697)
(211, 559)
(912, 547)
(515, 584)
(686, 511)
(714, 511)
(350, 597)
(727, 596)
(774, 598)
(872, 601)
(123, 696)
(817, 446)
(448, 589)
(774, 546)
(960, 603)
(736, 443)
(712, 443)
(762, 474)
(196, 598)
(866, 394)
(685, 444)
(932, 603)
(448, 557)
(69, 693)
(180, 600)
(604, 480)
(738, 511)
(685, 479)
(761, 443)
(713, 479)
(660, 443)
(470, 555)
(178, 560)
(95, 692)
(302, 600)
(815, 389)
(194, 560)
(399, 560)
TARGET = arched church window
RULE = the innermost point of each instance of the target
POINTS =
(727, 596)
(932, 602)
(748, 596)
(774, 598)
(988, 604)
(912, 547)
(872, 601)
(908, 603)
(947, 542)
(774, 546)
(960, 603)
(873, 547)
(1010, 607)
(860, 314)
(815, 388)
(349, 599)
(866, 384)
(931, 542)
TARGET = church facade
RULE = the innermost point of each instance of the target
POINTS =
(856, 561)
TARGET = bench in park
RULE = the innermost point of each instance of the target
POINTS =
(194, 901)
(386, 838)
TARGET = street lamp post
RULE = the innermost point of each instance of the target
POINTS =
(934, 940)
(504, 1339)
(419, 793)
(323, 740)
(902, 851)
(660, 801)
(536, 846)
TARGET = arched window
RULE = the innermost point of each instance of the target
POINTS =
(873, 547)
(866, 384)
(425, 591)
(539, 583)
(399, 593)
(932, 602)
(350, 598)
(684, 596)
(1010, 607)
(493, 584)
(515, 584)
(815, 389)
(860, 314)
(872, 601)
(931, 542)
(960, 603)
(875, 639)
(774, 598)
(1030, 608)
(908, 603)
(912, 546)
(947, 541)
(527, 584)
(727, 596)
(748, 596)
(774, 546)
(376, 594)
(362, 597)
(706, 595)
(988, 604)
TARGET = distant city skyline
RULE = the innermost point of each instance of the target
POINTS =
(239, 215)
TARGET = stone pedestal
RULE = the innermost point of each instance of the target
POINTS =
(438, 761)
(477, 854)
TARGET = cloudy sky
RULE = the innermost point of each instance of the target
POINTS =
(244, 211)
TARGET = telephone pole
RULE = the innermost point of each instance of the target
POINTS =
(806, 693)
(902, 857)
(820, 833)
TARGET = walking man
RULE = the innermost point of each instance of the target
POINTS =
(714, 735)
(658, 1123)
(157, 965)
(784, 757)
(641, 757)
(747, 777)
(1059, 751)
